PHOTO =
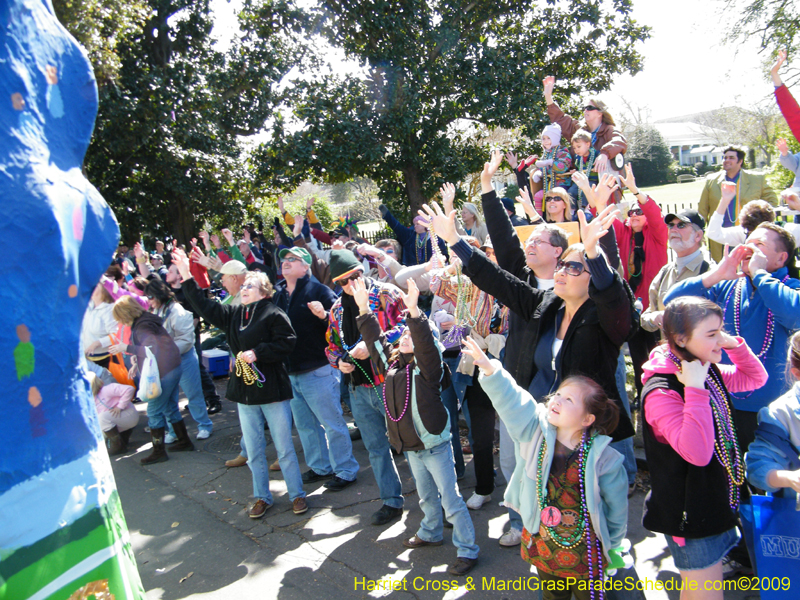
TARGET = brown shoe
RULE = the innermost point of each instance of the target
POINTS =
(258, 509)
(418, 542)
(275, 466)
(239, 461)
(462, 566)
(299, 506)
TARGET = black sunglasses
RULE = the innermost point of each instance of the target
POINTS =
(554, 199)
(678, 225)
(572, 267)
(352, 277)
(590, 107)
(635, 212)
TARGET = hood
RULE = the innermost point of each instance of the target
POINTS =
(658, 363)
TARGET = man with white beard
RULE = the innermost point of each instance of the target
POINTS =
(686, 240)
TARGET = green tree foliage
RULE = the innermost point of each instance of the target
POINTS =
(98, 24)
(778, 177)
(166, 153)
(429, 67)
(774, 24)
(650, 156)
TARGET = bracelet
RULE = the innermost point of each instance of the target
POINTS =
(140, 260)
(636, 193)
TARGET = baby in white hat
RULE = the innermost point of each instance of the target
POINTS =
(553, 166)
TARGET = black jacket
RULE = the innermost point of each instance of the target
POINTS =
(597, 331)
(267, 332)
(684, 500)
(148, 330)
(522, 333)
(309, 352)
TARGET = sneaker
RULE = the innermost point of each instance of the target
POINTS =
(418, 542)
(511, 538)
(213, 405)
(386, 514)
(299, 506)
(476, 501)
(239, 461)
(258, 509)
(337, 484)
(203, 434)
(311, 476)
(462, 566)
(170, 438)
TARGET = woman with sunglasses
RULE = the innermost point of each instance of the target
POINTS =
(582, 321)
(261, 336)
(558, 207)
(606, 138)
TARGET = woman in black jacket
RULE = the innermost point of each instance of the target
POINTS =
(582, 322)
(261, 337)
(147, 330)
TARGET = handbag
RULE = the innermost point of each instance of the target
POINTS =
(117, 367)
(150, 380)
(772, 532)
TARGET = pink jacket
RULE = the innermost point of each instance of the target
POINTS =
(687, 424)
(114, 395)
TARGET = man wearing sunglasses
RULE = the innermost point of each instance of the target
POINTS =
(347, 352)
(315, 403)
(686, 241)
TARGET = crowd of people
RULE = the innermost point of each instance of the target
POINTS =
(457, 314)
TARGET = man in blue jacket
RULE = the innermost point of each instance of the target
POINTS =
(316, 407)
(762, 305)
(416, 241)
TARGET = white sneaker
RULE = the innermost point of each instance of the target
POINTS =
(476, 501)
(170, 438)
(512, 537)
(203, 434)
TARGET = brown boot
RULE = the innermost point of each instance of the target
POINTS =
(184, 444)
(159, 453)
(126, 435)
(116, 445)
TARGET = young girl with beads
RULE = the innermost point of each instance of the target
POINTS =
(569, 485)
(696, 464)
(417, 422)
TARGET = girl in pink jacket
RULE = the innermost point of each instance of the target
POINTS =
(117, 415)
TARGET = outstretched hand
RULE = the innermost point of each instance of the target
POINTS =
(180, 260)
(411, 298)
(443, 225)
(782, 145)
(479, 357)
(489, 169)
(603, 190)
(592, 232)
(448, 192)
(779, 60)
(511, 159)
(360, 294)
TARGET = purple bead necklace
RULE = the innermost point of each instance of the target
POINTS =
(408, 393)
(737, 311)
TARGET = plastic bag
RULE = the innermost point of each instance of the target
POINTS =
(150, 380)
(772, 531)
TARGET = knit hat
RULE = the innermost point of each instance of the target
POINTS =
(553, 131)
(233, 267)
(296, 251)
(343, 263)
(508, 203)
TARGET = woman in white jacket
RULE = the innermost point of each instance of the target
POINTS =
(97, 330)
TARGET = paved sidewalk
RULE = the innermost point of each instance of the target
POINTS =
(192, 538)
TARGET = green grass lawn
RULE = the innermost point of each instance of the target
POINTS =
(678, 196)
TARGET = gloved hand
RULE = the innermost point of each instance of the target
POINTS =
(537, 177)
(544, 163)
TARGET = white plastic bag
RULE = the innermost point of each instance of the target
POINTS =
(150, 381)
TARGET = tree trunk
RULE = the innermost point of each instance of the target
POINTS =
(183, 228)
(413, 180)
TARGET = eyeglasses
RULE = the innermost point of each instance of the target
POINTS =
(352, 277)
(290, 259)
(678, 225)
(388, 251)
(537, 242)
(554, 199)
(250, 286)
(571, 267)
(635, 212)
(590, 107)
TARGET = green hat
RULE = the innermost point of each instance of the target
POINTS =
(343, 263)
(296, 251)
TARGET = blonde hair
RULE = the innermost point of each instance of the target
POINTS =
(582, 135)
(95, 382)
(561, 193)
(126, 310)
(262, 282)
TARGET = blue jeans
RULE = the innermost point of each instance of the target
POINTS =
(436, 485)
(625, 447)
(192, 386)
(451, 398)
(318, 417)
(369, 414)
(164, 409)
(508, 462)
(279, 417)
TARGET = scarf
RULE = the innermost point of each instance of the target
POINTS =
(349, 334)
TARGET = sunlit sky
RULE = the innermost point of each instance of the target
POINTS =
(687, 68)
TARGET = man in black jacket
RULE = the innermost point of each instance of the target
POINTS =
(315, 384)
